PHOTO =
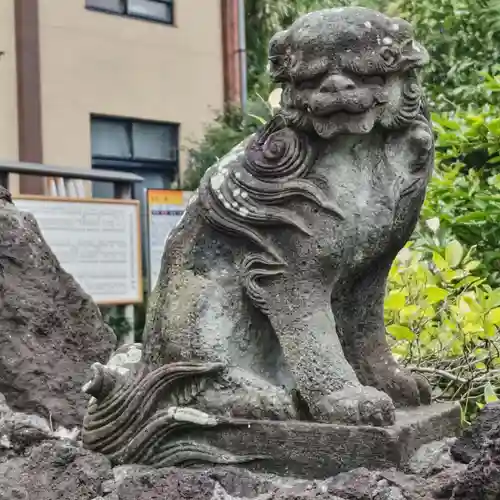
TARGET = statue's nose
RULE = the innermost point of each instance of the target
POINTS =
(337, 83)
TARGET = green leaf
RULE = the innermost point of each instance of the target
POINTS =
(490, 395)
(472, 265)
(471, 217)
(494, 316)
(395, 301)
(454, 253)
(408, 312)
(433, 224)
(440, 263)
(435, 294)
(449, 124)
(400, 332)
(261, 120)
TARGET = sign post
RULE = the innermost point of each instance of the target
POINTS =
(97, 241)
(165, 209)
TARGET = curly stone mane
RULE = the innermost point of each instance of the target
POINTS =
(246, 195)
(243, 197)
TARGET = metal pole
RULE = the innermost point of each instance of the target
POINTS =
(242, 50)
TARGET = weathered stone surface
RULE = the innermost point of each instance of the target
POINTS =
(317, 451)
(54, 470)
(277, 269)
(270, 301)
(59, 469)
(432, 458)
(126, 360)
(50, 330)
(303, 449)
(481, 480)
(441, 485)
(19, 431)
(235, 484)
(470, 444)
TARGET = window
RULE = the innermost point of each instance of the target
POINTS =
(157, 10)
(148, 149)
(134, 140)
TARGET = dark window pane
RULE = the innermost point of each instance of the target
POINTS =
(110, 139)
(151, 9)
(111, 5)
(103, 190)
(154, 142)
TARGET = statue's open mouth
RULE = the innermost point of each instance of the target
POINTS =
(350, 102)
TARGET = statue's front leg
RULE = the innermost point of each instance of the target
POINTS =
(301, 316)
(358, 307)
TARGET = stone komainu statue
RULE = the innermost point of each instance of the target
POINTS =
(270, 300)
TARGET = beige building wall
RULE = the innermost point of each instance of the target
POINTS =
(8, 84)
(93, 62)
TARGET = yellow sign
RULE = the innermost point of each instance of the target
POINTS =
(166, 197)
(165, 210)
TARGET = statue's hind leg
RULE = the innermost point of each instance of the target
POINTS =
(301, 316)
(358, 307)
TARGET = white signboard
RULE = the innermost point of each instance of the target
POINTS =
(165, 208)
(97, 241)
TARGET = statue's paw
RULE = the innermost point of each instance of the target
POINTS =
(273, 404)
(405, 388)
(424, 389)
(356, 406)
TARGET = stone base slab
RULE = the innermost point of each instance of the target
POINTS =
(317, 451)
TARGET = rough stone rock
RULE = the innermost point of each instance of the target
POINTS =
(54, 470)
(217, 484)
(481, 480)
(237, 484)
(441, 485)
(432, 458)
(19, 431)
(470, 444)
(59, 469)
(50, 330)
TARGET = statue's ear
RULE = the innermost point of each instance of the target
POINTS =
(278, 57)
(277, 43)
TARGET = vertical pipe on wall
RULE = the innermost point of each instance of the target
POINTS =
(29, 90)
(242, 50)
(231, 57)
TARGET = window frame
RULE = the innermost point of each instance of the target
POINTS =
(130, 15)
(134, 163)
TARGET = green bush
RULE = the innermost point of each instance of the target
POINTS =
(463, 39)
(442, 321)
(468, 206)
(464, 193)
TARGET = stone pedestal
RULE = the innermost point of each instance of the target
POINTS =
(316, 451)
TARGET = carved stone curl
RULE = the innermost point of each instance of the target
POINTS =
(277, 269)
(148, 420)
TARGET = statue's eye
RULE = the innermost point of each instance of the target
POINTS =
(307, 84)
(378, 81)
